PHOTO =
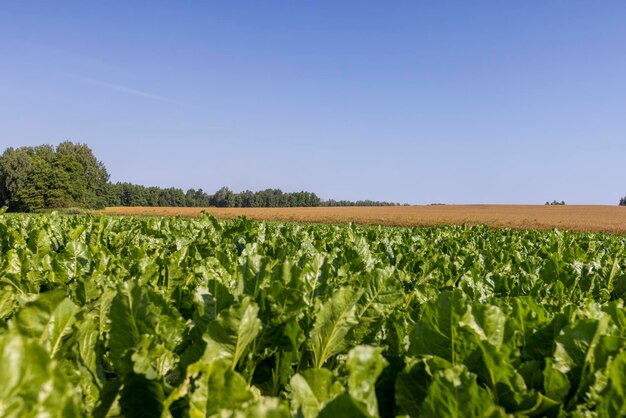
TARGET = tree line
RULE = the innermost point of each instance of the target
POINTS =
(127, 194)
(70, 176)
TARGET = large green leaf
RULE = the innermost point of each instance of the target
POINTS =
(216, 387)
(108, 396)
(555, 383)
(73, 260)
(612, 399)
(49, 318)
(487, 322)
(152, 358)
(8, 302)
(365, 364)
(141, 397)
(411, 386)
(437, 332)
(31, 384)
(232, 332)
(578, 351)
(454, 393)
(509, 389)
(82, 359)
(286, 293)
(145, 331)
(311, 390)
(382, 293)
(333, 321)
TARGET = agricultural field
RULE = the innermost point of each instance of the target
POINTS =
(579, 218)
(171, 317)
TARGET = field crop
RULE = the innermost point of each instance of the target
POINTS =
(171, 317)
(571, 217)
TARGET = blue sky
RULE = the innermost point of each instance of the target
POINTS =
(409, 101)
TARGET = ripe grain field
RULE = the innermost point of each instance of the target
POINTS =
(579, 218)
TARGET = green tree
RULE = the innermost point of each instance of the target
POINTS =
(92, 174)
(224, 197)
(40, 177)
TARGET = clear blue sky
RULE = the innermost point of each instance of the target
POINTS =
(410, 101)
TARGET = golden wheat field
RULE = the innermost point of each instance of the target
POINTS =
(580, 218)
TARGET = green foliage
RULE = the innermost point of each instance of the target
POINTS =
(336, 317)
(311, 390)
(454, 392)
(33, 178)
(365, 364)
(37, 179)
(205, 318)
(232, 332)
(32, 384)
(127, 194)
